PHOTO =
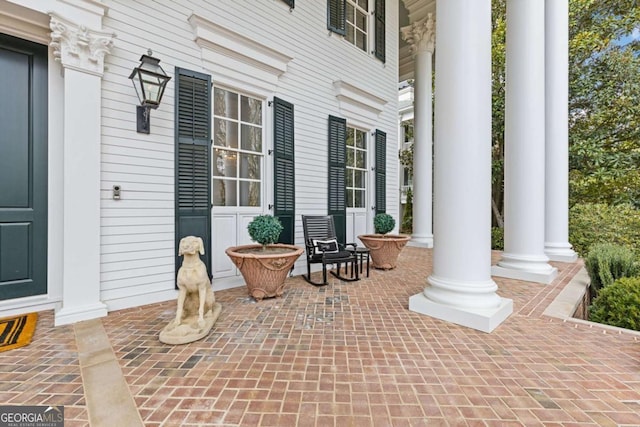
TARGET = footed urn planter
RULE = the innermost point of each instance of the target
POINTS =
(264, 272)
(384, 248)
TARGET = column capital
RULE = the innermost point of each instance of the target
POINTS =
(421, 35)
(78, 47)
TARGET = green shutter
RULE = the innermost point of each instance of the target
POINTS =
(337, 169)
(381, 172)
(336, 12)
(380, 30)
(284, 171)
(193, 159)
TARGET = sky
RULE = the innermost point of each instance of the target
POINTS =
(635, 35)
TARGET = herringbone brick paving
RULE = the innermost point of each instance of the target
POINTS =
(351, 354)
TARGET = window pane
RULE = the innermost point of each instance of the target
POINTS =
(225, 133)
(225, 103)
(350, 12)
(349, 178)
(249, 193)
(359, 180)
(361, 21)
(360, 139)
(361, 40)
(364, 4)
(360, 159)
(251, 110)
(350, 199)
(224, 163)
(224, 192)
(350, 36)
(359, 198)
(350, 158)
(350, 137)
(249, 166)
(251, 138)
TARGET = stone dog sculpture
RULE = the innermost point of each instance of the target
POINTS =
(197, 310)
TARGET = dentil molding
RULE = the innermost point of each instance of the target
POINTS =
(78, 47)
(421, 36)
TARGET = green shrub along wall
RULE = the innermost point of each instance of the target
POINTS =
(618, 304)
(591, 223)
(607, 262)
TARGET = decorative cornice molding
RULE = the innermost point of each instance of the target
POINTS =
(235, 59)
(78, 47)
(421, 36)
(357, 105)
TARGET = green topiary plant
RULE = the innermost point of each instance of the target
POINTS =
(383, 223)
(618, 304)
(265, 230)
(607, 262)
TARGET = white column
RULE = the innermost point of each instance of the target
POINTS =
(81, 53)
(557, 246)
(421, 38)
(460, 288)
(524, 152)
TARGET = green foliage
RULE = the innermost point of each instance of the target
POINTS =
(498, 57)
(407, 216)
(383, 223)
(497, 238)
(603, 108)
(406, 158)
(265, 229)
(618, 304)
(591, 223)
(607, 263)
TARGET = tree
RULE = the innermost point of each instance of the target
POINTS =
(604, 107)
(498, 53)
(604, 112)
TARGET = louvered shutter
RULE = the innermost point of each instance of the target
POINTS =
(381, 171)
(284, 172)
(380, 30)
(291, 3)
(193, 159)
(337, 169)
(336, 11)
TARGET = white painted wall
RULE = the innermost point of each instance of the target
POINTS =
(137, 232)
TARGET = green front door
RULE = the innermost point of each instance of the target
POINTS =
(23, 168)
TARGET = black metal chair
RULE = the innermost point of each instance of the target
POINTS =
(322, 247)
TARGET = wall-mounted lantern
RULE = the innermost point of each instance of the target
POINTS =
(149, 81)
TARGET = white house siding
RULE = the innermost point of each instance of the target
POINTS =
(137, 231)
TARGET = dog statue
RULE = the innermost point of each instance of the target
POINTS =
(197, 308)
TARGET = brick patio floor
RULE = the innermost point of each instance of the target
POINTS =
(349, 354)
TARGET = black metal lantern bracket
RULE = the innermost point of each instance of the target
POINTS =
(149, 80)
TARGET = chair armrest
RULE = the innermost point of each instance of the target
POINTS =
(355, 245)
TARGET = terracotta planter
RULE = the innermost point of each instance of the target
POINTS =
(264, 272)
(384, 248)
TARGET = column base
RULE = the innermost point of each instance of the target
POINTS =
(523, 267)
(66, 316)
(481, 319)
(421, 241)
(561, 252)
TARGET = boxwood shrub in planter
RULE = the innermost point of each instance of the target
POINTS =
(264, 266)
(384, 248)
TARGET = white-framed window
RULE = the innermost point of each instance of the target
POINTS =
(356, 174)
(238, 157)
(357, 23)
